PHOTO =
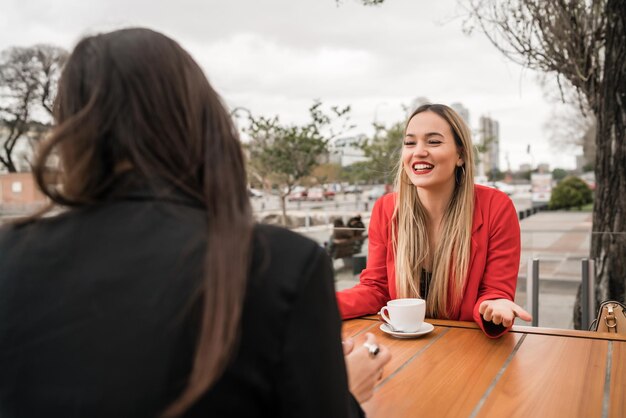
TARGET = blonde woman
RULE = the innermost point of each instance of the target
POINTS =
(440, 237)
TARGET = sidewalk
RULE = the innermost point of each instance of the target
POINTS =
(559, 240)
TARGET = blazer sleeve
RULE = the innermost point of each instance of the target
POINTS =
(502, 266)
(372, 292)
(312, 380)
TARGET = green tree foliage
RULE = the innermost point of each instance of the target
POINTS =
(326, 173)
(383, 151)
(285, 154)
(571, 192)
(358, 172)
(495, 175)
(559, 174)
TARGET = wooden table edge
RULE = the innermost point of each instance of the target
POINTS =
(522, 329)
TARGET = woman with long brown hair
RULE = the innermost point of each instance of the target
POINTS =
(154, 293)
(439, 237)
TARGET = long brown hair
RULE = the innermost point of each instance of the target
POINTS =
(410, 237)
(135, 98)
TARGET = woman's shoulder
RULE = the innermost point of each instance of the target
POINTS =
(279, 248)
(386, 204)
(282, 264)
(280, 236)
(494, 207)
(13, 232)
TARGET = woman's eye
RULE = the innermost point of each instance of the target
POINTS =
(434, 142)
(409, 143)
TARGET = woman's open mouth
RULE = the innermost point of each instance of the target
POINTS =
(422, 167)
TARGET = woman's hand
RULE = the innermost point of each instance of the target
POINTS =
(502, 311)
(364, 369)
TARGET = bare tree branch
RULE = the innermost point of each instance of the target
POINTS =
(582, 41)
(28, 84)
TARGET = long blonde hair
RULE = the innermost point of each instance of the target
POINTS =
(450, 259)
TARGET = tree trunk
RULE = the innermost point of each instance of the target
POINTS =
(283, 207)
(9, 165)
(608, 240)
(7, 161)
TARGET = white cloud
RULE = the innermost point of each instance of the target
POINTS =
(258, 66)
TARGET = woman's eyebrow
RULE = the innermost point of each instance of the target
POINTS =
(427, 135)
(433, 134)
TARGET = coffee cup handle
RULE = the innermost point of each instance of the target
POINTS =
(383, 314)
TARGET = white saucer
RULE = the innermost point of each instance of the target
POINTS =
(424, 329)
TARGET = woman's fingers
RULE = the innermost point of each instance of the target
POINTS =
(348, 345)
(381, 357)
(365, 365)
(522, 314)
(487, 313)
(502, 311)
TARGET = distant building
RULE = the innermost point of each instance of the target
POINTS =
(524, 167)
(417, 102)
(18, 190)
(347, 150)
(543, 168)
(462, 111)
(489, 133)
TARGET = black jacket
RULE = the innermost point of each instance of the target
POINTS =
(97, 318)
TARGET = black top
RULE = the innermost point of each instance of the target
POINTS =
(425, 283)
(96, 318)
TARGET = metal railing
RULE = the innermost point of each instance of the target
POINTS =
(588, 300)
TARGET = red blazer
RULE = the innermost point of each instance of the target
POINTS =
(493, 267)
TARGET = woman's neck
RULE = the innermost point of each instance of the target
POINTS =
(435, 201)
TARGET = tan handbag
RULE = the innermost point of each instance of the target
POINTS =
(611, 318)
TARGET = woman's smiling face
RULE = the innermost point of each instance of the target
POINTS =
(430, 155)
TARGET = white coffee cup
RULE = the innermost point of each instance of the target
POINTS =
(404, 315)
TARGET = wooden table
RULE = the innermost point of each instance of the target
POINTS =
(456, 371)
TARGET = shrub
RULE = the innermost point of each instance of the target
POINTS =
(571, 192)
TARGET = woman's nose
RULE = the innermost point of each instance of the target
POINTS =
(420, 150)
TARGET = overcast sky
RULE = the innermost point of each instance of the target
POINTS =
(277, 56)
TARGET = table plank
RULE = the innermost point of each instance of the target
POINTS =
(617, 390)
(447, 378)
(551, 376)
(353, 327)
(402, 349)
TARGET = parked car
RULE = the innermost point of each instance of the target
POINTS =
(298, 194)
(352, 188)
(376, 193)
(315, 194)
(254, 192)
(329, 194)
